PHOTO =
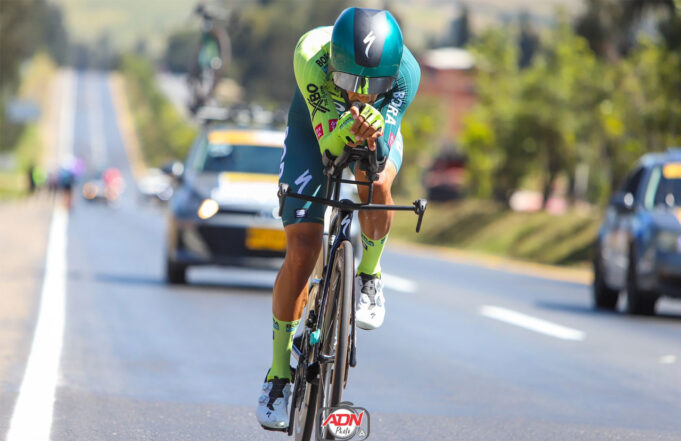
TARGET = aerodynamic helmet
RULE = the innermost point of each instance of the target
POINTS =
(366, 50)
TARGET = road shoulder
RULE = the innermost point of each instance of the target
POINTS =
(572, 275)
(23, 237)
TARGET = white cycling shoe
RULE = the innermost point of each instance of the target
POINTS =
(273, 404)
(370, 308)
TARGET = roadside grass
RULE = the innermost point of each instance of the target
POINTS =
(164, 134)
(491, 228)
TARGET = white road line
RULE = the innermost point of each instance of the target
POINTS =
(532, 323)
(668, 359)
(398, 283)
(66, 123)
(96, 124)
(32, 416)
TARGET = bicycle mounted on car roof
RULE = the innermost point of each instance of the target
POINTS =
(211, 56)
(327, 346)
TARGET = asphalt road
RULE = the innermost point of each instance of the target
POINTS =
(466, 352)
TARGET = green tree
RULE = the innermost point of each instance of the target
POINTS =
(496, 163)
(26, 26)
(421, 130)
(527, 121)
(610, 25)
(263, 43)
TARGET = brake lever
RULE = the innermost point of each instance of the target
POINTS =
(420, 206)
(281, 194)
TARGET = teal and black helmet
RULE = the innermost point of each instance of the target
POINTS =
(366, 50)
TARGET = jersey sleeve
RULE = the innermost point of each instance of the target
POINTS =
(402, 95)
(310, 66)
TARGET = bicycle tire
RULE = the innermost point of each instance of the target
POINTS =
(337, 322)
(303, 410)
(304, 397)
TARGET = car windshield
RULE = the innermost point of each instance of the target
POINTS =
(664, 187)
(218, 158)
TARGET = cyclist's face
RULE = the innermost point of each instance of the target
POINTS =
(362, 98)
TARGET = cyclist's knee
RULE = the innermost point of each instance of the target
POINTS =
(382, 187)
(303, 242)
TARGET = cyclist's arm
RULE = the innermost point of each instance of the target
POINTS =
(404, 91)
(309, 64)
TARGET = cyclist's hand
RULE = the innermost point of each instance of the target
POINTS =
(343, 134)
(368, 126)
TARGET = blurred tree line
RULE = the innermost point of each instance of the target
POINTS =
(26, 27)
(263, 36)
(594, 96)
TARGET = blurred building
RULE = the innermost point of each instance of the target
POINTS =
(449, 74)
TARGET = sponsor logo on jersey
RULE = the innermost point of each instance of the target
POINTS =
(319, 131)
(394, 107)
(315, 100)
(391, 139)
(337, 99)
(332, 124)
(322, 61)
(303, 180)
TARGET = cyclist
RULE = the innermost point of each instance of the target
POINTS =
(361, 59)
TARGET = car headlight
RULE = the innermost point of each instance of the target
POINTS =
(208, 208)
(668, 241)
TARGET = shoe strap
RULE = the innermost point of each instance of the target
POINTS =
(277, 391)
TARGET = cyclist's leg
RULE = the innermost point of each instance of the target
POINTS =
(376, 224)
(303, 242)
(302, 169)
(370, 307)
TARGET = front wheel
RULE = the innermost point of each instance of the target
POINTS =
(603, 296)
(303, 406)
(336, 335)
(176, 273)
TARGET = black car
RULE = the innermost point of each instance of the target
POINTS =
(639, 244)
(224, 210)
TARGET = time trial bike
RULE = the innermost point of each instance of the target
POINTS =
(327, 346)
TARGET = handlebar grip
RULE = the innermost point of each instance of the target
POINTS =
(420, 209)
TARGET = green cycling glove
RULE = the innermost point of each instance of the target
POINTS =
(373, 117)
(342, 131)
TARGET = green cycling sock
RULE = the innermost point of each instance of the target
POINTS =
(281, 348)
(371, 257)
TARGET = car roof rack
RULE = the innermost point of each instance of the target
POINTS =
(251, 116)
(208, 114)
